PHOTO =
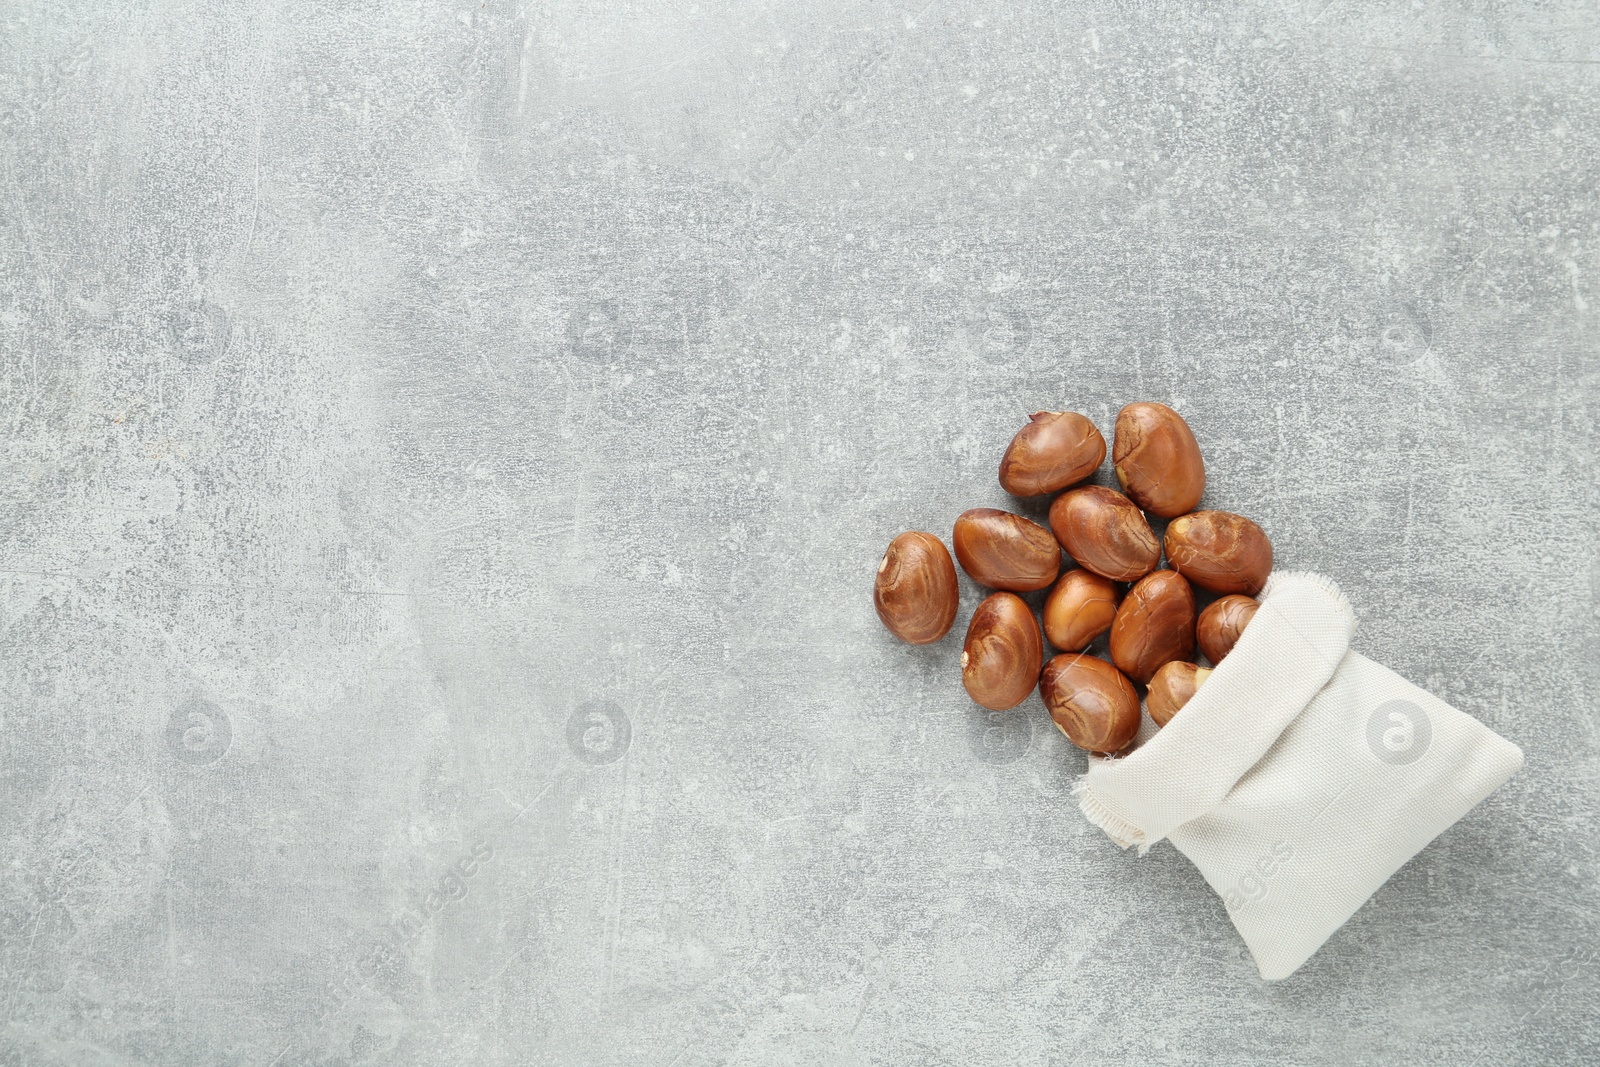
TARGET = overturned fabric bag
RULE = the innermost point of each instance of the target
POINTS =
(1300, 776)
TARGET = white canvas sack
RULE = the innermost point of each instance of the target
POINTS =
(1300, 775)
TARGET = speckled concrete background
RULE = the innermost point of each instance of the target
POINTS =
(448, 446)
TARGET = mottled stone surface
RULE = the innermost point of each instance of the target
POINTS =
(447, 446)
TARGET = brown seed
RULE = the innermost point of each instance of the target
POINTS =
(1000, 661)
(1220, 551)
(1172, 687)
(1105, 533)
(1006, 551)
(1091, 702)
(1056, 449)
(1079, 609)
(1154, 625)
(915, 591)
(1158, 460)
(1221, 624)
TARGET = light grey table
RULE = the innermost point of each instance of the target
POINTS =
(448, 445)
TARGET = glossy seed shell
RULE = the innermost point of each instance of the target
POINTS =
(1056, 449)
(1221, 624)
(1080, 608)
(1105, 532)
(1006, 551)
(1220, 551)
(1090, 702)
(915, 592)
(1157, 460)
(1003, 651)
(1154, 625)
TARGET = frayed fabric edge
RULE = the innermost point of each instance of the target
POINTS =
(1323, 583)
(1119, 829)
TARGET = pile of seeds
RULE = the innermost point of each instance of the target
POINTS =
(1117, 583)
